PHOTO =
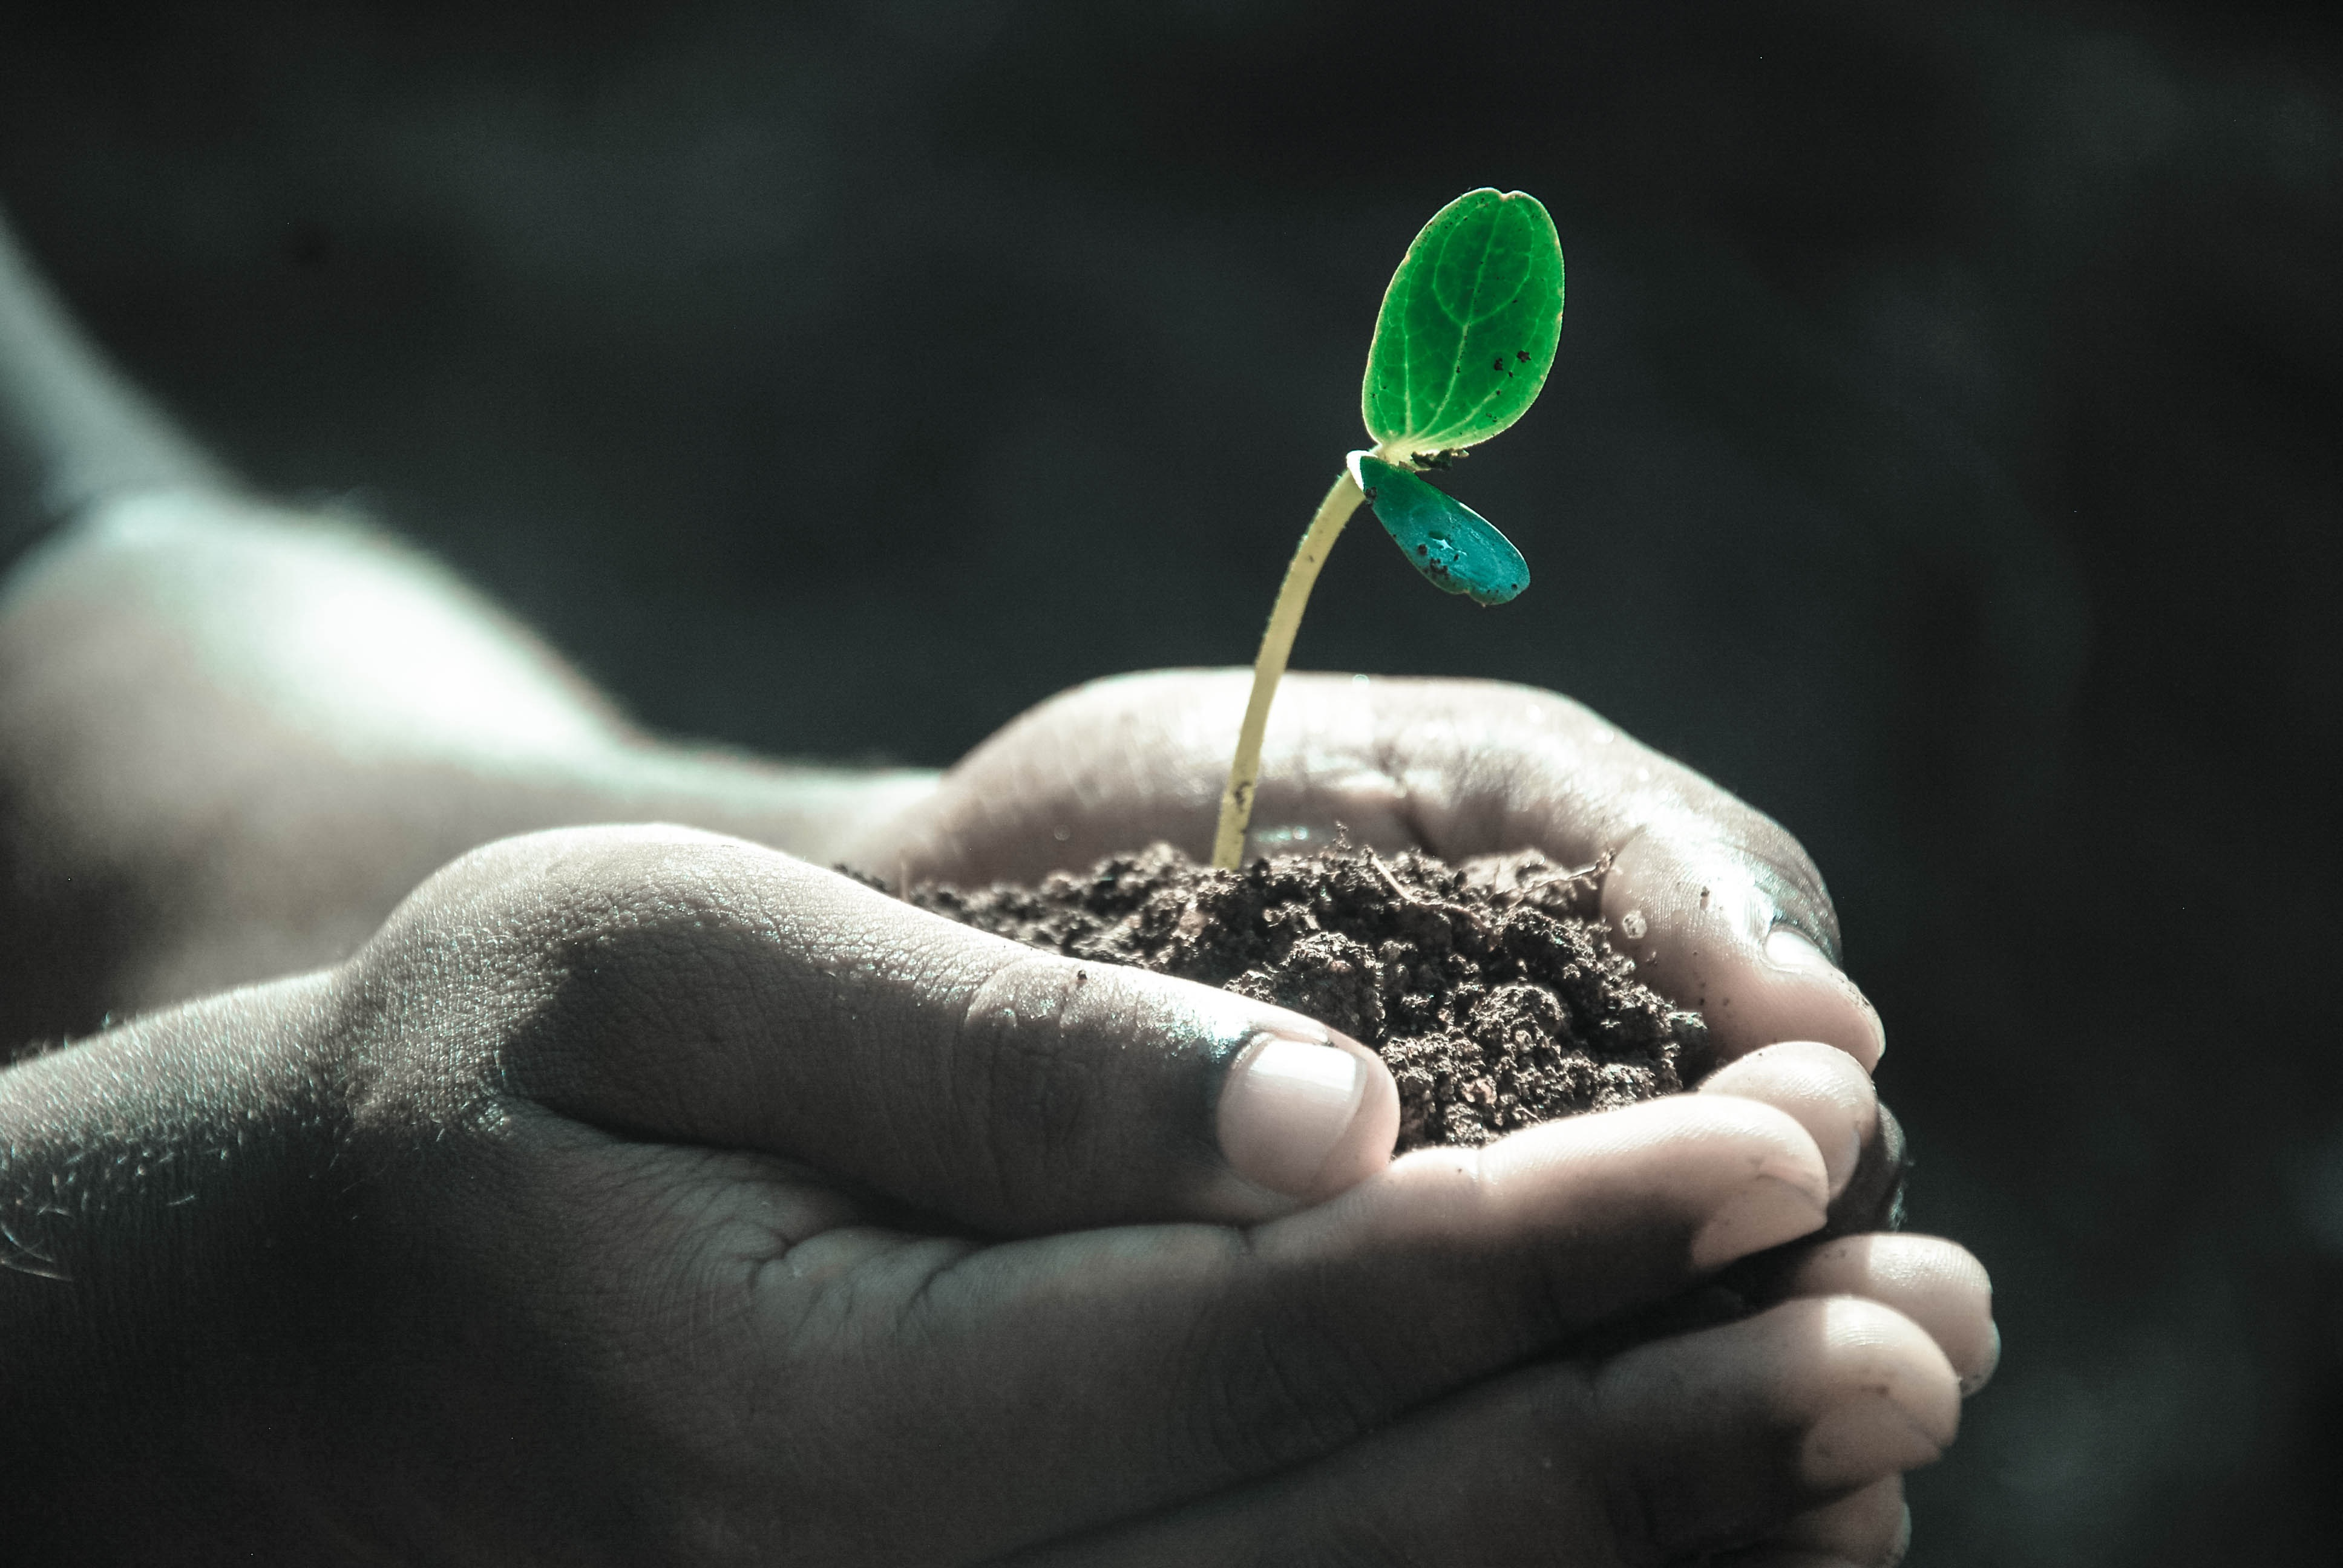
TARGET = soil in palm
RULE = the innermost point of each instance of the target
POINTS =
(1488, 985)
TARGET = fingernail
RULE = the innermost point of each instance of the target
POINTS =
(1867, 1437)
(1767, 1213)
(1285, 1110)
(1787, 948)
(1814, 1083)
(1984, 1373)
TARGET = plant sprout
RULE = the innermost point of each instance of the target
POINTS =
(1466, 335)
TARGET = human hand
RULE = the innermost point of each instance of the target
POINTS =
(639, 1196)
(1720, 908)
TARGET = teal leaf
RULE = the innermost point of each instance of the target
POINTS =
(1454, 547)
(1469, 325)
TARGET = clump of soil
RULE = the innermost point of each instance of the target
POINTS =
(1492, 992)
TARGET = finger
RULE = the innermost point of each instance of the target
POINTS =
(1868, 1527)
(1446, 1268)
(706, 990)
(1824, 1088)
(1695, 1444)
(1935, 1283)
(1818, 1085)
(1712, 923)
(1108, 1374)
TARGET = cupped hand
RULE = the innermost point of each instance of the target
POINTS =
(1718, 906)
(640, 1196)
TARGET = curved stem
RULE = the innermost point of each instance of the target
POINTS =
(1269, 667)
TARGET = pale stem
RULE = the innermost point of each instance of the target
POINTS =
(1268, 667)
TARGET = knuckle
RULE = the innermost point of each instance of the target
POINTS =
(518, 953)
(1017, 1063)
(539, 891)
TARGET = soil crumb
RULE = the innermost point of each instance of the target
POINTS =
(1497, 998)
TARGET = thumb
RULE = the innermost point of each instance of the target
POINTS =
(677, 986)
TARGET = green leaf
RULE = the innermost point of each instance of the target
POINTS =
(1468, 327)
(1454, 547)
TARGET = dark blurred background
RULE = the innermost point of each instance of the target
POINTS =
(1943, 454)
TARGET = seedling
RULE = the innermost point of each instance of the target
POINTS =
(1466, 335)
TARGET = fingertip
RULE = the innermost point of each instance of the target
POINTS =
(1819, 1086)
(1306, 1118)
(1780, 1191)
(1897, 1404)
(1861, 1386)
(1816, 1402)
(1862, 1439)
(1765, 1213)
(1986, 1362)
(1718, 929)
(1366, 1144)
(1938, 1284)
(1684, 1146)
(1811, 987)
(1683, 1185)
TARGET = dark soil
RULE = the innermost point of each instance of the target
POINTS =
(1496, 999)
